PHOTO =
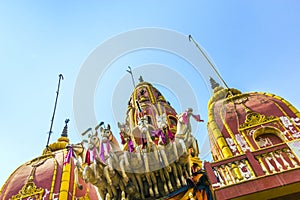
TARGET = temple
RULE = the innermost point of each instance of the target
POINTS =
(254, 139)
(48, 177)
(255, 142)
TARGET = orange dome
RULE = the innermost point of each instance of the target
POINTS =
(47, 177)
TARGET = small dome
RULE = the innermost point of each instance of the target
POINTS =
(47, 177)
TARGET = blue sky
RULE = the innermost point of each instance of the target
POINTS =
(255, 45)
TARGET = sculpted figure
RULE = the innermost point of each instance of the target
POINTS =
(184, 129)
(185, 141)
(79, 153)
(111, 155)
(126, 137)
(99, 181)
(170, 153)
(106, 151)
(132, 163)
(149, 152)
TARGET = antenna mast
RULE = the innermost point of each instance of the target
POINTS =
(130, 72)
(206, 57)
(60, 77)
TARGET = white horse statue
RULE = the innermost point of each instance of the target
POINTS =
(184, 129)
(149, 151)
(170, 149)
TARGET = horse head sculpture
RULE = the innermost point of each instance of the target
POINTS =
(164, 133)
(143, 132)
(108, 138)
(161, 121)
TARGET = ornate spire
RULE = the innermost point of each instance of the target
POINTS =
(213, 83)
(141, 79)
(65, 130)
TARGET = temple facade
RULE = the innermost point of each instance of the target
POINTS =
(254, 139)
(255, 144)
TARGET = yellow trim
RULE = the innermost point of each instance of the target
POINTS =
(29, 190)
(221, 93)
(151, 93)
(7, 187)
(236, 171)
(250, 168)
(280, 108)
(288, 104)
(131, 118)
(255, 119)
(213, 145)
(229, 131)
(53, 179)
(216, 134)
(160, 111)
(284, 128)
(247, 139)
(262, 130)
(65, 181)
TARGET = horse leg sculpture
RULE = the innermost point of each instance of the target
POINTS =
(122, 186)
(107, 176)
(175, 173)
(163, 179)
(124, 175)
(164, 173)
(146, 161)
(179, 168)
(164, 156)
(154, 181)
(168, 178)
(109, 191)
(148, 177)
(140, 182)
(101, 193)
(107, 197)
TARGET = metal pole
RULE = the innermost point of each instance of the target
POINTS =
(211, 64)
(52, 119)
(130, 72)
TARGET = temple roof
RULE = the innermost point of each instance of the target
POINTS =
(233, 113)
(148, 100)
(47, 177)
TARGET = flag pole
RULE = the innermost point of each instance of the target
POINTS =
(130, 72)
(191, 39)
(55, 104)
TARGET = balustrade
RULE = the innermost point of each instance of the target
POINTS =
(232, 172)
(277, 160)
(264, 162)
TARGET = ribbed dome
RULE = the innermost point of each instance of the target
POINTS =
(234, 116)
(151, 102)
(46, 177)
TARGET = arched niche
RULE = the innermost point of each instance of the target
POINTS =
(267, 136)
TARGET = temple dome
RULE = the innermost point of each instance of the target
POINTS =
(47, 177)
(238, 116)
(147, 100)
